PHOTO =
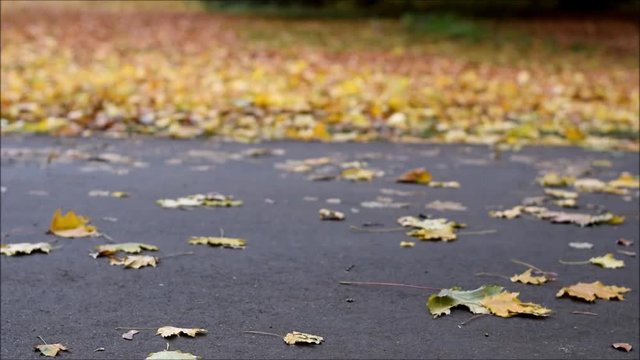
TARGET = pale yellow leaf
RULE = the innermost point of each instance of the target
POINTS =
(296, 338)
(24, 248)
(224, 242)
(168, 331)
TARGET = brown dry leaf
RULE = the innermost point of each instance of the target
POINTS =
(168, 331)
(326, 214)
(134, 261)
(298, 338)
(50, 350)
(626, 347)
(415, 176)
(407, 244)
(359, 174)
(607, 261)
(224, 242)
(24, 248)
(70, 225)
(507, 304)
(507, 214)
(591, 291)
(446, 206)
(528, 277)
(129, 334)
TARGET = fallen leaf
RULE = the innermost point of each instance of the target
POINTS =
(626, 180)
(507, 214)
(130, 247)
(24, 248)
(444, 184)
(566, 203)
(622, 346)
(441, 303)
(197, 200)
(129, 334)
(51, 350)
(70, 225)
(224, 242)
(624, 242)
(168, 331)
(394, 192)
(595, 185)
(415, 176)
(326, 214)
(171, 355)
(561, 194)
(382, 202)
(507, 304)
(106, 193)
(134, 261)
(580, 219)
(446, 206)
(581, 245)
(295, 338)
(607, 261)
(528, 277)
(555, 180)
(407, 244)
(430, 229)
(359, 174)
(591, 291)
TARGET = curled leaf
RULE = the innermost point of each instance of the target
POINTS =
(129, 334)
(626, 347)
(134, 261)
(441, 303)
(359, 174)
(224, 242)
(528, 277)
(591, 291)
(407, 244)
(507, 304)
(507, 214)
(70, 225)
(415, 176)
(24, 248)
(326, 214)
(130, 247)
(50, 350)
(168, 331)
(297, 338)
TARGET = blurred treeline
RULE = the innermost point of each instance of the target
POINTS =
(404, 8)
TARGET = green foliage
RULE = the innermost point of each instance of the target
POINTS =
(445, 26)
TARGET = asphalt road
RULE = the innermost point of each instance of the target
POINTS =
(288, 276)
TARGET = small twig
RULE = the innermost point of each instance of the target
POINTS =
(261, 333)
(470, 320)
(178, 254)
(574, 262)
(479, 232)
(527, 265)
(221, 232)
(40, 337)
(107, 237)
(492, 274)
(133, 328)
(376, 230)
(167, 346)
(388, 284)
(584, 313)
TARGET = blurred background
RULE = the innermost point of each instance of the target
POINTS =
(547, 72)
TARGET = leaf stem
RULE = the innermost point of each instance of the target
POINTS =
(574, 262)
(376, 230)
(40, 337)
(527, 265)
(388, 284)
(492, 274)
(584, 313)
(133, 328)
(479, 232)
(470, 320)
(261, 333)
(178, 254)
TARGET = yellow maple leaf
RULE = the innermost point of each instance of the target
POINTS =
(626, 180)
(507, 304)
(50, 350)
(591, 291)
(134, 261)
(607, 261)
(225, 242)
(528, 277)
(358, 174)
(70, 225)
(168, 331)
(555, 180)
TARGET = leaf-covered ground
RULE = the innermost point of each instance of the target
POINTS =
(78, 72)
(287, 275)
